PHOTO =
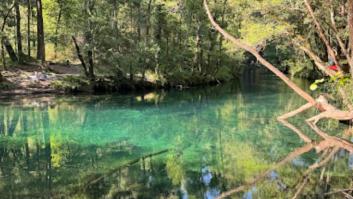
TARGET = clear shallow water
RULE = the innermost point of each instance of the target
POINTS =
(195, 143)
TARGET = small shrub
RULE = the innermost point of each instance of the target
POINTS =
(72, 83)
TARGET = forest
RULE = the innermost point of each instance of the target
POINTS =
(176, 99)
(126, 45)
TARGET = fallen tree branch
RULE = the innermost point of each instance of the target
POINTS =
(263, 61)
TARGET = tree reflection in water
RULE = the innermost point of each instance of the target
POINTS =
(190, 144)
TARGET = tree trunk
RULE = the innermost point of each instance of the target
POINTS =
(40, 32)
(158, 30)
(89, 38)
(211, 47)
(264, 62)
(322, 36)
(4, 41)
(80, 57)
(219, 61)
(350, 26)
(138, 21)
(29, 12)
(341, 43)
(3, 55)
(1, 78)
(199, 51)
(58, 20)
(148, 19)
(115, 17)
(10, 49)
(147, 38)
(91, 66)
(18, 32)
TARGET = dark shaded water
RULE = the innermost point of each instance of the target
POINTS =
(181, 144)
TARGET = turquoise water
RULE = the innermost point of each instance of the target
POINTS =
(194, 143)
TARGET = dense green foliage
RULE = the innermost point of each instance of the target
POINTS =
(166, 41)
(171, 41)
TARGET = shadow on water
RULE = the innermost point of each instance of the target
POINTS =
(195, 143)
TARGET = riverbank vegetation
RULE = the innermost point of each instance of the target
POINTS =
(166, 43)
(144, 43)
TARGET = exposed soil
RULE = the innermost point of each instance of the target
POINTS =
(33, 79)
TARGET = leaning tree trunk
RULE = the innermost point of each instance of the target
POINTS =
(322, 35)
(18, 32)
(263, 61)
(5, 42)
(9, 49)
(80, 57)
(40, 32)
(340, 42)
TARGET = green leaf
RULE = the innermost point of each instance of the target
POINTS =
(313, 86)
(319, 81)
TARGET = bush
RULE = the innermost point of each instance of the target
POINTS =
(72, 84)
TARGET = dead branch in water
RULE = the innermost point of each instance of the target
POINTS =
(327, 110)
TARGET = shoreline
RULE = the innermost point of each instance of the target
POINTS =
(122, 88)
